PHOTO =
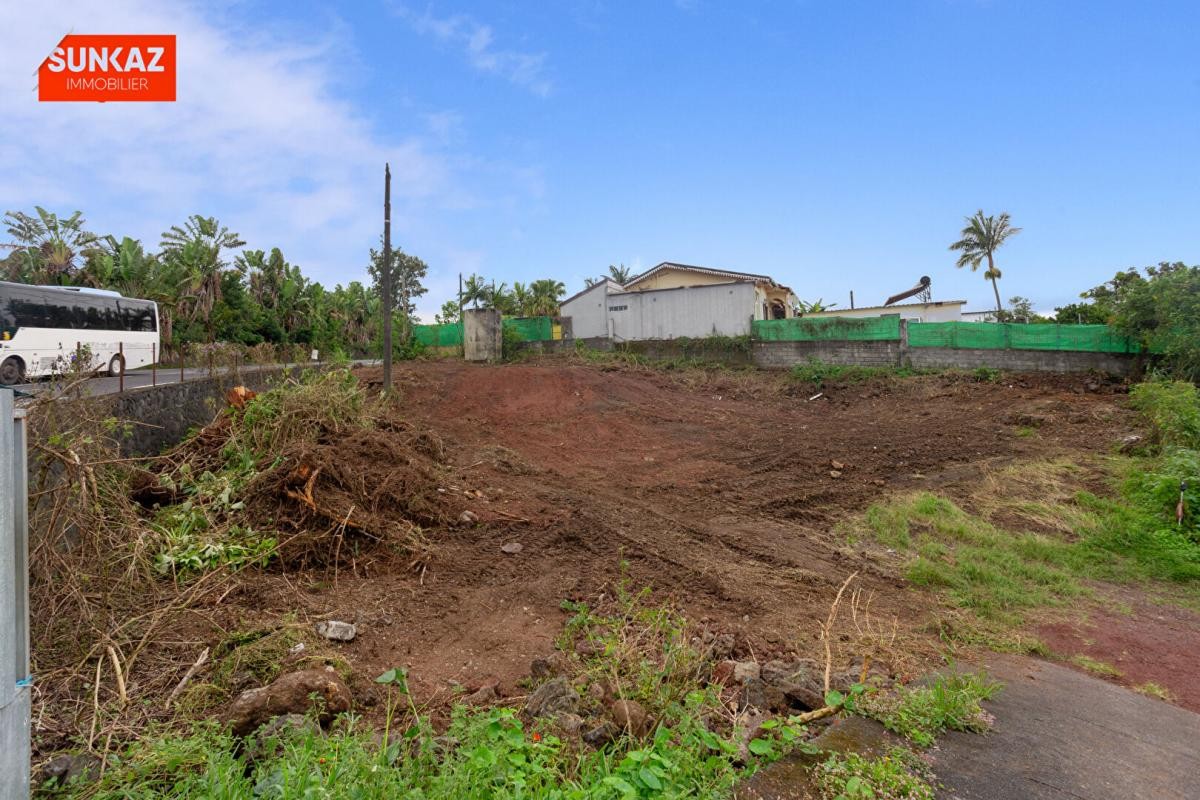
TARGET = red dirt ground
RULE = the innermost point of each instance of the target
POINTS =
(719, 492)
(1152, 643)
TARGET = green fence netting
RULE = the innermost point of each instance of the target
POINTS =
(803, 329)
(531, 329)
(1016, 336)
(439, 335)
(528, 329)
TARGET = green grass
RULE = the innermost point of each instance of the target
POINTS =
(1096, 667)
(921, 713)
(998, 573)
(1152, 689)
(981, 567)
(819, 374)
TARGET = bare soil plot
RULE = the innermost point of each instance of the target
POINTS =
(722, 492)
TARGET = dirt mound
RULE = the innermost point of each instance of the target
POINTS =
(319, 487)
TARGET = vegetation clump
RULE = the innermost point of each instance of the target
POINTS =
(898, 775)
(921, 713)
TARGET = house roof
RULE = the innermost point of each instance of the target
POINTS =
(724, 273)
(611, 284)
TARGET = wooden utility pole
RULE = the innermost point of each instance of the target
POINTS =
(386, 278)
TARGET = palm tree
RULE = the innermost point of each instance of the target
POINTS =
(50, 245)
(522, 299)
(475, 290)
(621, 274)
(546, 294)
(197, 246)
(981, 238)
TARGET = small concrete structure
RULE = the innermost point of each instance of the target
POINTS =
(483, 338)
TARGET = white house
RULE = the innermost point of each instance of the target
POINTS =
(932, 311)
(671, 301)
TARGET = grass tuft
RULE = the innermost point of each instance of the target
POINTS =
(921, 713)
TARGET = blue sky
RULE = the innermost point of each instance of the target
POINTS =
(833, 145)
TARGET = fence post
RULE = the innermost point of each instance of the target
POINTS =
(14, 604)
(153, 364)
(121, 353)
(78, 355)
(181, 364)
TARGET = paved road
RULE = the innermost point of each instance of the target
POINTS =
(1058, 735)
(133, 380)
(143, 377)
(1063, 735)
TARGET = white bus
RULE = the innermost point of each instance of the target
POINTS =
(44, 329)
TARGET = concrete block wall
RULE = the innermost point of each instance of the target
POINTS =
(784, 355)
(1022, 360)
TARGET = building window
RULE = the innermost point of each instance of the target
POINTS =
(617, 308)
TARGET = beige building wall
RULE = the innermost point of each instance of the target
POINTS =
(676, 278)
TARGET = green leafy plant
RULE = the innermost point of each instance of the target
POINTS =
(898, 775)
(921, 713)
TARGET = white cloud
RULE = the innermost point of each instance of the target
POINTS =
(477, 41)
(259, 136)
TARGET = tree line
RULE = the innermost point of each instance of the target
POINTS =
(207, 286)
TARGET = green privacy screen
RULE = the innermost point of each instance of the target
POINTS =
(531, 329)
(528, 329)
(802, 329)
(1016, 336)
(439, 335)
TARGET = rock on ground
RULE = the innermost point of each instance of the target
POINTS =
(629, 715)
(551, 698)
(336, 631)
(289, 694)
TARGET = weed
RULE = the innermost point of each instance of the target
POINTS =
(640, 651)
(1152, 689)
(899, 775)
(986, 375)
(1173, 410)
(1096, 667)
(921, 713)
(1025, 432)
(819, 374)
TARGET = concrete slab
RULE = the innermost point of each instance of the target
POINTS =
(1063, 735)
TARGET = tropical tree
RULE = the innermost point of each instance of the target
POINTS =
(814, 306)
(407, 273)
(196, 249)
(981, 238)
(621, 274)
(51, 248)
(546, 294)
(522, 299)
(475, 290)
(448, 313)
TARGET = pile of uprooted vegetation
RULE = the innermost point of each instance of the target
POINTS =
(635, 702)
(129, 555)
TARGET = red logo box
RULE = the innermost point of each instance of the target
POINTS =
(109, 68)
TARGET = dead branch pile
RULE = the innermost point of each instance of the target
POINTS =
(316, 468)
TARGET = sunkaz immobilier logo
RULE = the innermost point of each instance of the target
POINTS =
(107, 68)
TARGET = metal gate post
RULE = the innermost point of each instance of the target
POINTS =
(14, 603)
